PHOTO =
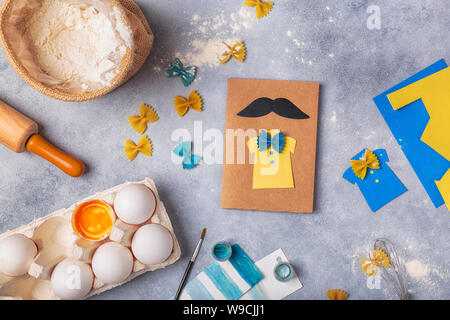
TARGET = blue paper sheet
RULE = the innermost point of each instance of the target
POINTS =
(407, 125)
(380, 186)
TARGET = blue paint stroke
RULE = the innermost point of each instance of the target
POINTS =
(257, 293)
(244, 266)
(407, 125)
(197, 291)
(223, 282)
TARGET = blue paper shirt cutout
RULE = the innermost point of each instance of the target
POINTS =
(380, 186)
(407, 125)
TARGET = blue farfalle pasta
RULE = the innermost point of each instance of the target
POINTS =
(183, 150)
(187, 74)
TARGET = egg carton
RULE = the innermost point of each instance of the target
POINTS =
(56, 241)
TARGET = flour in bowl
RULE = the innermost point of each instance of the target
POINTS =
(77, 43)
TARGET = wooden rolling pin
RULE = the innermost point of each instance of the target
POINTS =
(20, 133)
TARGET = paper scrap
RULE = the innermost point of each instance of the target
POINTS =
(227, 280)
(434, 91)
(444, 188)
(269, 288)
(410, 125)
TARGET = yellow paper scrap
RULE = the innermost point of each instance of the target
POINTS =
(434, 91)
(444, 188)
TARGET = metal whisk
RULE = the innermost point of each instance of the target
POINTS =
(394, 273)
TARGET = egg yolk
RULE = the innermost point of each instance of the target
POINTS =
(93, 220)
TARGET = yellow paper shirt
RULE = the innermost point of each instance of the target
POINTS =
(272, 170)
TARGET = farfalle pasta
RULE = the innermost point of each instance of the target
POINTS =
(262, 7)
(144, 146)
(147, 115)
(238, 51)
(182, 105)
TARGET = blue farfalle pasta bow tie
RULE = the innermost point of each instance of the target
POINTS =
(187, 74)
(277, 142)
(183, 150)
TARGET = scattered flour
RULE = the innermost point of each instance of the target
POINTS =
(417, 269)
(333, 118)
(209, 33)
(205, 53)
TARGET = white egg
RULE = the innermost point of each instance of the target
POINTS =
(112, 263)
(152, 244)
(135, 204)
(16, 255)
(72, 279)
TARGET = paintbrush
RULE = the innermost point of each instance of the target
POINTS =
(191, 262)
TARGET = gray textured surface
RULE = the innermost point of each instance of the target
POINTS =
(328, 41)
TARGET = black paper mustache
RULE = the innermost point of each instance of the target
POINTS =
(281, 106)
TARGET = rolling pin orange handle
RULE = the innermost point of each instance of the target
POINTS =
(70, 165)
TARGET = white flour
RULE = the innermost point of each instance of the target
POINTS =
(76, 43)
(417, 269)
(209, 33)
(205, 53)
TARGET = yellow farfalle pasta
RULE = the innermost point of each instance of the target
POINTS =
(368, 266)
(262, 7)
(380, 258)
(370, 160)
(147, 115)
(182, 104)
(144, 146)
(237, 51)
(336, 294)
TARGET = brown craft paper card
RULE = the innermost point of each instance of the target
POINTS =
(238, 191)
